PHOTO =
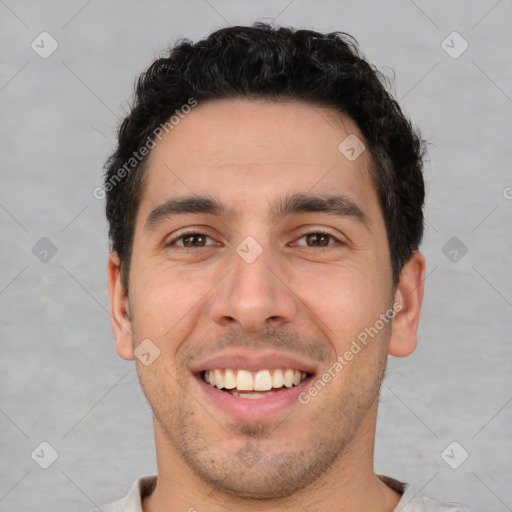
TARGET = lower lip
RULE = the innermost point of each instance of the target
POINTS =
(252, 408)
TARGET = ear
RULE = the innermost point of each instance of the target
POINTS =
(119, 309)
(409, 294)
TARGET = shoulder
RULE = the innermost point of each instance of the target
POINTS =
(143, 486)
(415, 501)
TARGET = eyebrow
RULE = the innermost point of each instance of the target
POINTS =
(184, 205)
(333, 204)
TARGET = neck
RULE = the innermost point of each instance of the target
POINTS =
(350, 484)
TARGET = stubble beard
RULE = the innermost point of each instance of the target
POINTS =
(258, 466)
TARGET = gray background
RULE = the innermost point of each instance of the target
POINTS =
(60, 379)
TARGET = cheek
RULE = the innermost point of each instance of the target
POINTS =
(166, 303)
(344, 302)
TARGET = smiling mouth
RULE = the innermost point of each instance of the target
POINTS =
(247, 384)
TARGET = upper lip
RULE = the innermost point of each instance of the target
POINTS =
(253, 361)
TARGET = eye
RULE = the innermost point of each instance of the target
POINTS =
(190, 240)
(317, 239)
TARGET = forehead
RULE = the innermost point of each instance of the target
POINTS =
(248, 152)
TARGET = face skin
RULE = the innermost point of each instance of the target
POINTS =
(298, 298)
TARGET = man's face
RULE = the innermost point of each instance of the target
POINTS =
(257, 287)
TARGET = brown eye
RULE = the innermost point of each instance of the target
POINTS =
(194, 240)
(318, 239)
(191, 240)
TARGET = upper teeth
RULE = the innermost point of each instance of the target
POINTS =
(262, 380)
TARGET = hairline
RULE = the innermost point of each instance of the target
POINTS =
(372, 168)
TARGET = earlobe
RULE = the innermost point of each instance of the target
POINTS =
(409, 294)
(119, 309)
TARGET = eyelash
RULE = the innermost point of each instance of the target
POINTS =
(336, 241)
(315, 232)
(185, 235)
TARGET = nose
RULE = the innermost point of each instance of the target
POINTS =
(253, 295)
